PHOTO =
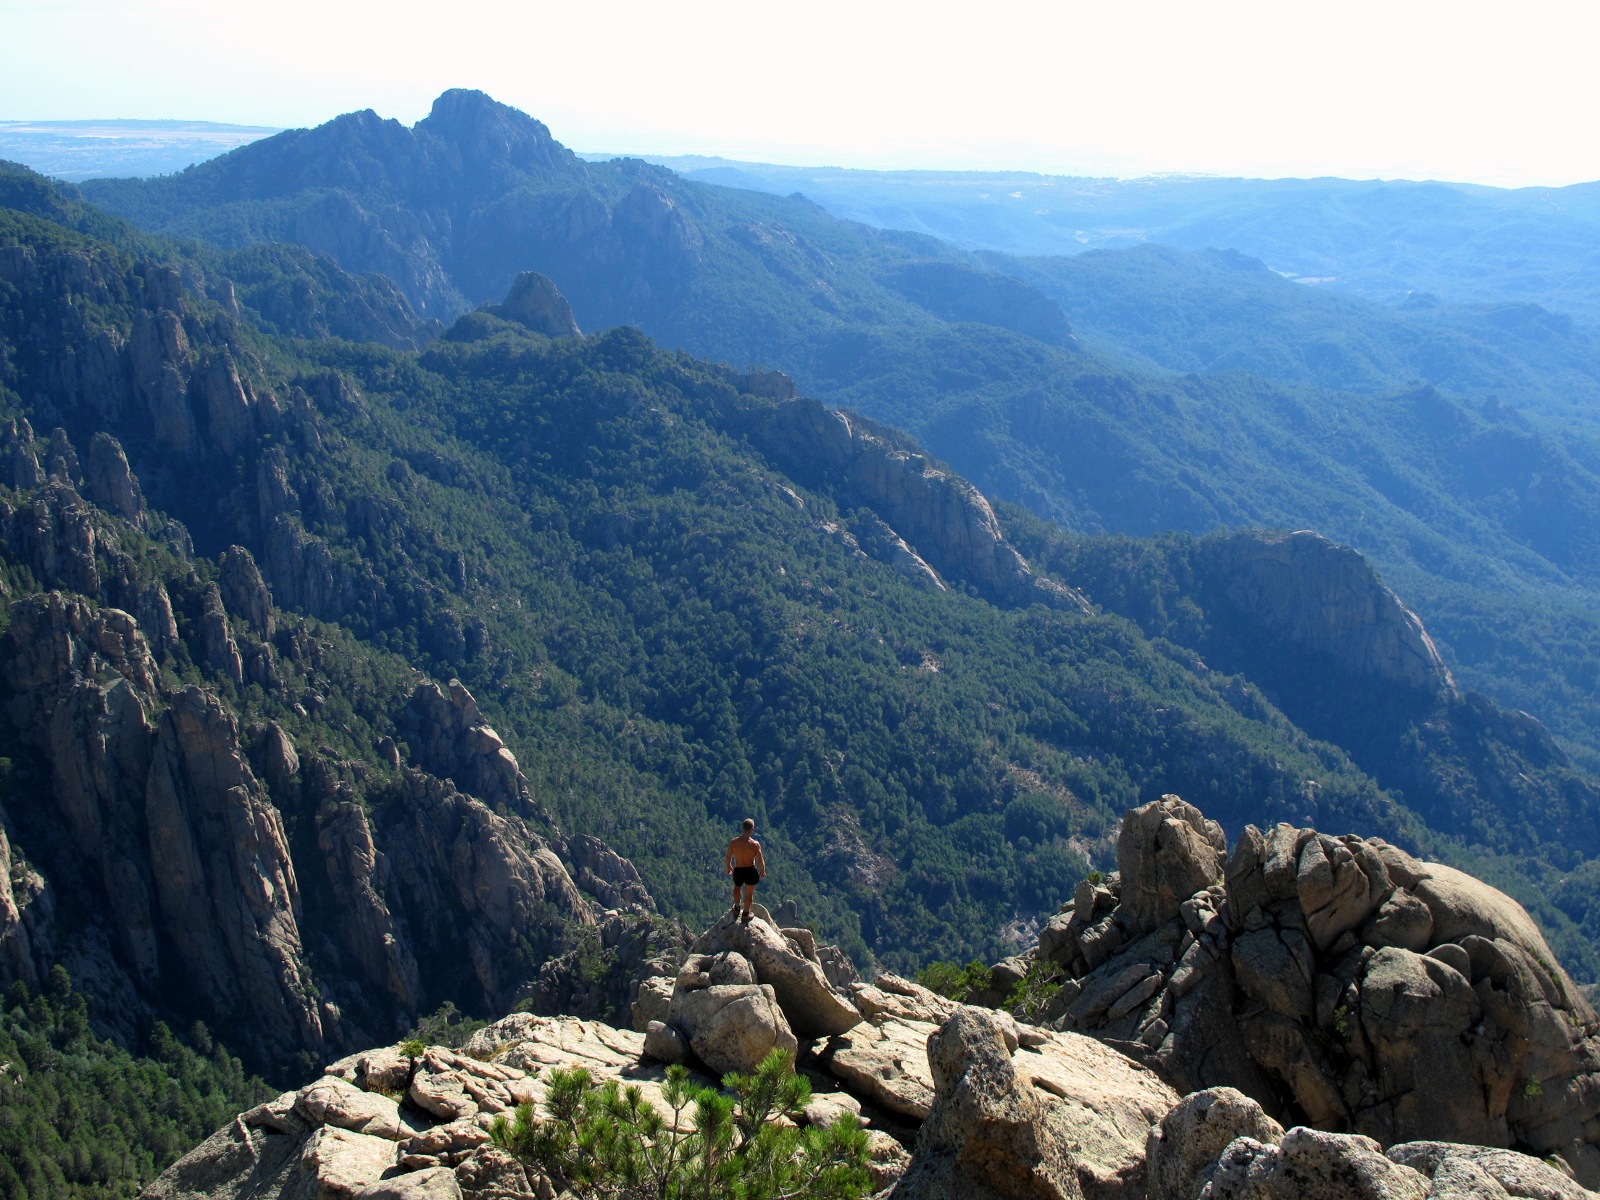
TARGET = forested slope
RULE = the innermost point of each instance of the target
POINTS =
(1483, 520)
(667, 605)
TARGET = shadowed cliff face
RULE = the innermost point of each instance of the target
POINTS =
(158, 803)
(1300, 590)
(180, 860)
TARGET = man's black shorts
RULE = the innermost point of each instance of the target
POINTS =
(746, 875)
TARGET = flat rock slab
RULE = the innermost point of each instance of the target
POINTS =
(332, 1101)
(434, 1183)
(1107, 1102)
(532, 1044)
(885, 1062)
(343, 1162)
(540, 1046)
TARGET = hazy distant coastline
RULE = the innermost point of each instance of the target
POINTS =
(75, 150)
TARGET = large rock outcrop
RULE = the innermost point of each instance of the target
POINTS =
(1325, 601)
(944, 518)
(992, 1107)
(166, 818)
(450, 738)
(536, 302)
(143, 778)
(779, 959)
(1064, 1118)
(1340, 981)
(469, 878)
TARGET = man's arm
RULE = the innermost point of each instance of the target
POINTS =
(761, 862)
(727, 858)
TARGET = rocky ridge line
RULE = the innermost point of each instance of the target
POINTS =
(960, 1103)
(170, 812)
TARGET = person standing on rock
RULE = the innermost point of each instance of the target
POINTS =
(744, 862)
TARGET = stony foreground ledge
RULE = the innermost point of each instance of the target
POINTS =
(1190, 966)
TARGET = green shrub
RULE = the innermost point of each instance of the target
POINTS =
(954, 981)
(608, 1143)
(1034, 990)
(448, 1026)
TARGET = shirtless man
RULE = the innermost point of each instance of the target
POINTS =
(744, 862)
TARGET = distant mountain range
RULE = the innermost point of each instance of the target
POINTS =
(1205, 392)
(1382, 239)
(1385, 240)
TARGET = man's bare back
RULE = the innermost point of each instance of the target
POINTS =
(744, 861)
(744, 851)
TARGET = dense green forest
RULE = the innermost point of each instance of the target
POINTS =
(1449, 443)
(582, 531)
(82, 1118)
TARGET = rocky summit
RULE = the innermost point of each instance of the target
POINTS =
(1337, 979)
(1403, 1020)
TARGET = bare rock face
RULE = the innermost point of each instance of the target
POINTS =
(57, 535)
(473, 878)
(138, 788)
(744, 990)
(943, 517)
(1311, 1165)
(987, 1134)
(343, 1163)
(534, 301)
(226, 886)
(22, 459)
(1337, 981)
(450, 738)
(244, 591)
(665, 1043)
(333, 1101)
(1183, 1149)
(216, 638)
(1463, 1170)
(431, 1183)
(603, 873)
(16, 942)
(732, 1027)
(110, 483)
(885, 1061)
(305, 575)
(1069, 1119)
(359, 874)
(1325, 600)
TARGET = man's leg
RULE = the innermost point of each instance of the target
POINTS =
(734, 911)
(749, 897)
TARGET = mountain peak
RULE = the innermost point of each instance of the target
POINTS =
(486, 132)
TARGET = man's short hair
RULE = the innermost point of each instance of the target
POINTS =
(748, 824)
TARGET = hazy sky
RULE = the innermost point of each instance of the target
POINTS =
(1494, 93)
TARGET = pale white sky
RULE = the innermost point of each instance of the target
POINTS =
(1500, 93)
